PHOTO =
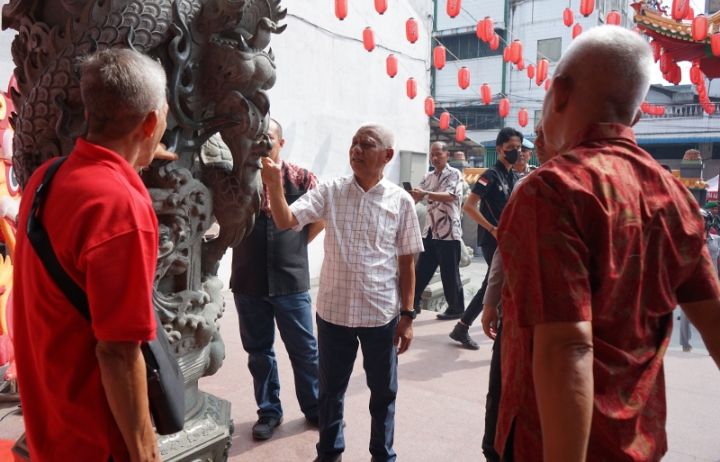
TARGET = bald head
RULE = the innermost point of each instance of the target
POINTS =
(610, 67)
(601, 78)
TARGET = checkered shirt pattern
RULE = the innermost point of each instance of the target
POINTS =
(365, 232)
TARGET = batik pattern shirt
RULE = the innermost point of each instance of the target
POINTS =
(600, 234)
(443, 218)
(296, 182)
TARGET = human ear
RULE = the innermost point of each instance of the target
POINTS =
(150, 123)
(562, 89)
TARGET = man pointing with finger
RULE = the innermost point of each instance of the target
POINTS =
(367, 283)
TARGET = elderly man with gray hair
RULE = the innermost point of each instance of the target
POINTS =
(367, 283)
(598, 246)
(84, 387)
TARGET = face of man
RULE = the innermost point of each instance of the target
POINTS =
(523, 160)
(509, 151)
(438, 157)
(368, 156)
(544, 153)
(277, 142)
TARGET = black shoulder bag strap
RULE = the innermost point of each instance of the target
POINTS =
(166, 389)
(41, 243)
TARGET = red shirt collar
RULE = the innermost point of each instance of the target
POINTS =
(90, 152)
(605, 131)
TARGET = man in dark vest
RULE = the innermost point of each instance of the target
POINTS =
(270, 283)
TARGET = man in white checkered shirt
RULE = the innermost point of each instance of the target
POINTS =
(367, 283)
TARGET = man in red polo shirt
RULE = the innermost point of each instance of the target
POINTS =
(83, 387)
(598, 247)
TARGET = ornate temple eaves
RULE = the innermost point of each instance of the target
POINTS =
(649, 18)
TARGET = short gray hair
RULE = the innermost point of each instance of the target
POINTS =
(119, 88)
(443, 145)
(612, 66)
(385, 135)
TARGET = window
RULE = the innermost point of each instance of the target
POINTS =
(538, 115)
(468, 46)
(478, 117)
(550, 49)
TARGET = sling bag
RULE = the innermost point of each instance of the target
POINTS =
(165, 383)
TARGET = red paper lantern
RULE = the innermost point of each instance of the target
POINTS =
(486, 93)
(480, 31)
(700, 28)
(444, 122)
(381, 6)
(489, 27)
(391, 65)
(695, 74)
(369, 39)
(460, 133)
(613, 18)
(521, 64)
(679, 9)
(464, 77)
(644, 106)
(709, 108)
(341, 9)
(576, 30)
(504, 107)
(660, 110)
(506, 54)
(429, 106)
(548, 82)
(411, 88)
(690, 14)
(531, 71)
(541, 71)
(568, 17)
(411, 30)
(453, 8)
(587, 7)
(665, 62)
(523, 117)
(657, 50)
(516, 51)
(494, 42)
(715, 43)
(439, 56)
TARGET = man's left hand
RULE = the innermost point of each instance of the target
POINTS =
(403, 334)
(161, 153)
(417, 194)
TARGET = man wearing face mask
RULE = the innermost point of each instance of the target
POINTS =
(491, 193)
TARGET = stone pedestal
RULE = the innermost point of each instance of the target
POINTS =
(433, 297)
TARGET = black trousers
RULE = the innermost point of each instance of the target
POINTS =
(446, 254)
(476, 304)
(492, 402)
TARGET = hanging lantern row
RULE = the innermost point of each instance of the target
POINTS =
(369, 39)
(587, 7)
(576, 30)
(568, 17)
(613, 18)
(652, 109)
(699, 28)
(453, 8)
(523, 117)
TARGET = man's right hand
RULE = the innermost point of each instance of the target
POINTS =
(271, 173)
(489, 320)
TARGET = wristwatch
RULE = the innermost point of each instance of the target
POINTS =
(412, 314)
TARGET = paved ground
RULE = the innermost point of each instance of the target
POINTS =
(441, 401)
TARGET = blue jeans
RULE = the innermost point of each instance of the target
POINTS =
(293, 314)
(338, 348)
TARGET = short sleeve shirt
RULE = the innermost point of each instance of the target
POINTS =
(443, 218)
(494, 187)
(365, 232)
(617, 241)
(103, 229)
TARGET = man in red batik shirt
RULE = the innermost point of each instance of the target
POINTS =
(598, 245)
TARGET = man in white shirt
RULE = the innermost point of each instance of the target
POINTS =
(367, 283)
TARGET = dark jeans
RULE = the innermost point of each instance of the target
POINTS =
(338, 348)
(476, 304)
(446, 254)
(293, 314)
(492, 402)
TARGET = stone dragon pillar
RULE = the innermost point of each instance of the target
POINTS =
(217, 58)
